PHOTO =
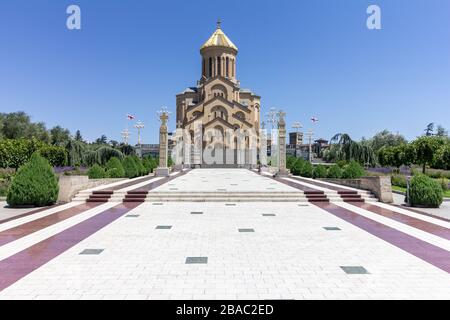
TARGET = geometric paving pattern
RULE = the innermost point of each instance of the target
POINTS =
(383, 252)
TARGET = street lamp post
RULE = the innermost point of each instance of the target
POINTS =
(296, 126)
(310, 135)
(125, 135)
(139, 125)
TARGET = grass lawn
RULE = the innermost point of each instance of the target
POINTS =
(446, 193)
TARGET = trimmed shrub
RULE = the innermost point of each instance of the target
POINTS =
(424, 191)
(129, 165)
(307, 170)
(96, 172)
(320, 171)
(115, 168)
(297, 166)
(290, 161)
(398, 180)
(114, 173)
(334, 172)
(57, 156)
(140, 167)
(35, 184)
(353, 170)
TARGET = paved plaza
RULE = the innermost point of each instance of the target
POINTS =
(225, 250)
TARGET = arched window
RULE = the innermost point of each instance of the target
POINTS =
(203, 67)
(210, 67)
(227, 67)
(219, 65)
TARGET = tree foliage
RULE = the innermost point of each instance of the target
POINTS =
(34, 184)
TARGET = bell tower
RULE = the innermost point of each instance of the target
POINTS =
(219, 56)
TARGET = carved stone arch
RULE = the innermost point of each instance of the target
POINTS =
(219, 90)
(219, 112)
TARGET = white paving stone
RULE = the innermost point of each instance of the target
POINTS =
(289, 256)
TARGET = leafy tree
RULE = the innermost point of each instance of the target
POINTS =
(344, 148)
(59, 136)
(34, 184)
(56, 156)
(442, 157)
(426, 147)
(102, 140)
(76, 150)
(18, 125)
(396, 156)
(441, 132)
(101, 155)
(16, 152)
(78, 136)
(429, 129)
(386, 138)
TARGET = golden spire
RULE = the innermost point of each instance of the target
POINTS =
(219, 39)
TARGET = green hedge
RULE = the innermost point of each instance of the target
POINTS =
(140, 167)
(130, 167)
(353, 170)
(298, 166)
(34, 184)
(150, 164)
(114, 168)
(334, 172)
(96, 172)
(57, 156)
(424, 191)
(16, 152)
(320, 171)
(307, 170)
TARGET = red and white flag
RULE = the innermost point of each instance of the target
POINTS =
(314, 119)
(130, 117)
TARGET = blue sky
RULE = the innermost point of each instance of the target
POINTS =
(309, 58)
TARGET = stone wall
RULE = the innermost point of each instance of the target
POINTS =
(69, 186)
(380, 186)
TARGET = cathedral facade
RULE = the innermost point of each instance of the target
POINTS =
(220, 119)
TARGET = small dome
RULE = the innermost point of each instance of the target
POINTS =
(219, 39)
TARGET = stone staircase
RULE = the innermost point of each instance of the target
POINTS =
(225, 196)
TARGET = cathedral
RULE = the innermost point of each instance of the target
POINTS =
(220, 106)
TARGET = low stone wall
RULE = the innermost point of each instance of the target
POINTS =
(379, 185)
(69, 186)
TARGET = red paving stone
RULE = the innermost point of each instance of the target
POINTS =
(429, 227)
(426, 251)
(22, 263)
(28, 228)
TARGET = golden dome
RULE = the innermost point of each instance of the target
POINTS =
(219, 39)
